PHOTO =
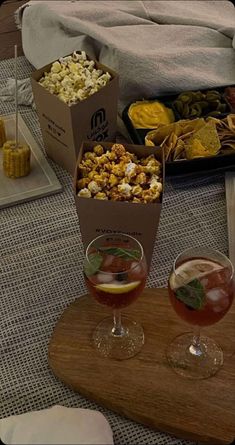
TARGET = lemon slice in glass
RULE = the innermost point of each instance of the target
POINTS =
(115, 288)
(192, 269)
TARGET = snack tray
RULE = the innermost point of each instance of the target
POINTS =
(182, 167)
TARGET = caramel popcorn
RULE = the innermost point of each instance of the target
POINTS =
(125, 190)
(137, 190)
(98, 150)
(74, 78)
(118, 149)
(101, 195)
(131, 169)
(94, 187)
(85, 193)
(113, 180)
(82, 183)
(118, 175)
(141, 178)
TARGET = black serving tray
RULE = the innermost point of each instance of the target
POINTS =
(183, 167)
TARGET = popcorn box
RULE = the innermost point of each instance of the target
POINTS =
(64, 126)
(139, 220)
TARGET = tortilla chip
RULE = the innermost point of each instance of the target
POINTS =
(228, 145)
(148, 142)
(208, 138)
(225, 133)
(188, 125)
(158, 135)
(189, 139)
(172, 139)
(196, 150)
(167, 146)
(179, 150)
(167, 152)
(231, 122)
(215, 120)
(179, 128)
(186, 136)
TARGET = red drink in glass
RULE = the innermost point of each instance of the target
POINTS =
(216, 288)
(115, 272)
(118, 282)
(201, 290)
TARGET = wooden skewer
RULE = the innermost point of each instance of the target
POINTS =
(16, 101)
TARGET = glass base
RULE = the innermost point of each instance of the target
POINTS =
(193, 366)
(119, 347)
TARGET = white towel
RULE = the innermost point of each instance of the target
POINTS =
(157, 47)
(24, 92)
(57, 425)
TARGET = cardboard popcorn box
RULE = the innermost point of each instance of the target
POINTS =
(139, 220)
(64, 126)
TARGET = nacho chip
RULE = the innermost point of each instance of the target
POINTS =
(231, 122)
(179, 128)
(196, 150)
(193, 125)
(167, 151)
(149, 143)
(228, 145)
(188, 139)
(179, 151)
(158, 135)
(185, 135)
(169, 146)
(208, 138)
(172, 139)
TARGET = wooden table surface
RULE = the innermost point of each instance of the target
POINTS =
(9, 35)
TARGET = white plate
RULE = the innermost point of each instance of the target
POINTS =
(41, 181)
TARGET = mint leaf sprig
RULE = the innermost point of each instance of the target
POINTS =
(92, 265)
(126, 254)
(94, 261)
(192, 294)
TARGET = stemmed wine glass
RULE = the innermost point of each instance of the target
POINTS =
(115, 273)
(201, 290)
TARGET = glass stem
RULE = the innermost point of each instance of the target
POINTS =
(118, 330)
(196, 348)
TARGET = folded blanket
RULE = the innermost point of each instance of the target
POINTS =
(56, 425)
(157, 47)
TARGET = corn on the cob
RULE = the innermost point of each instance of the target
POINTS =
(2, 133)
(16, 160)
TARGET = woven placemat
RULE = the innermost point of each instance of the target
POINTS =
(41, 273)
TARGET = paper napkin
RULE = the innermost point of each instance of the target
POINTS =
(57, 425)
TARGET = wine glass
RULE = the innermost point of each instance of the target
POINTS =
(115, 273)
(201, 290)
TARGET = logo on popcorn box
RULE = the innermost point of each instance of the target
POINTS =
(99, 126)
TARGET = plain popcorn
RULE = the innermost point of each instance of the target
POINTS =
(74, 78)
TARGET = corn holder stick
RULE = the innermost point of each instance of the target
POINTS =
(16, 101)
(16, 156)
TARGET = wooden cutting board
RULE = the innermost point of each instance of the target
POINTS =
(144, 388)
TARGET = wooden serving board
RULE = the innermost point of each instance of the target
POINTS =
(144, 388)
